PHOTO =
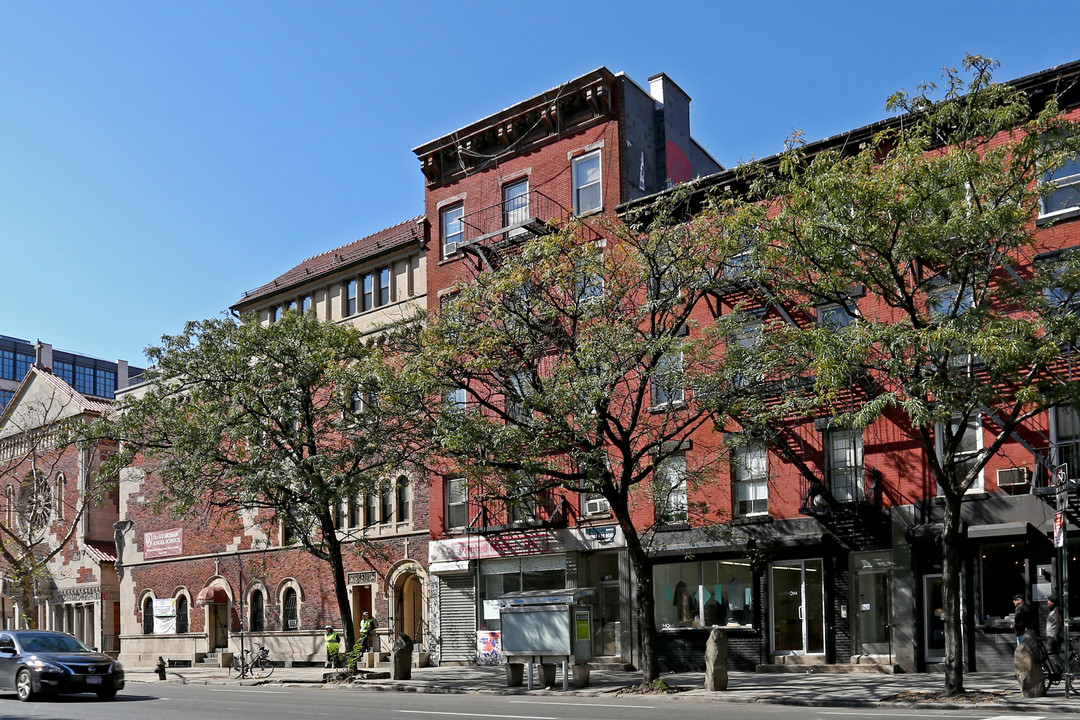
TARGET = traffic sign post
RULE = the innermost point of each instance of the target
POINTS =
(1061, 484)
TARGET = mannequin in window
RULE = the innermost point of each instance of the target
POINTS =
(682, 602)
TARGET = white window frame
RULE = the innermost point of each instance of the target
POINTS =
(581, 184)
(747, 484)
(834, 314)
(457, 400)
(457, 501)
(448, 216)
(844, 459)
(671, 503)
(667, 394)
(979, 484)
(1067, 180)
(515, 206)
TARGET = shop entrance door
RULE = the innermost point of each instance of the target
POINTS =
(872, 612)
(798, 607)
(607, 627)
(933, 619)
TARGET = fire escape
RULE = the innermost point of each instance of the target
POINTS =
(488, 233)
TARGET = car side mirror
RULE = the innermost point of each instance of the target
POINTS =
(94, 648)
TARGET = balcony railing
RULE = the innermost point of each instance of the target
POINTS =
(529, 214)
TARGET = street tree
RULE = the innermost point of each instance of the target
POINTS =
(286, 421)
(49, 483)
(568, 366)
(923, 244)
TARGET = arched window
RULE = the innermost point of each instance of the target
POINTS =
(148, 616)
(61, 490)
(258, 615)
(289, 618)
(181, 614)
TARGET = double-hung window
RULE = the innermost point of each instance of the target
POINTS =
(1066, 193)
(350, 298)
(751, 481)
(835, 315)
(455, 400)
(457, 504)
(452, 229)
(967, 450)
(844, 464)
(515, 206)
(384, 286)
(670, 495)
(667, 381)
(588, 190)
(1066, 434)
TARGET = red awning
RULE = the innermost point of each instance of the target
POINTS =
(212, 595)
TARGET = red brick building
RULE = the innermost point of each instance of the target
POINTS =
(580, 149)
(215, 580)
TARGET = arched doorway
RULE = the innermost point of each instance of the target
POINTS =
(409, 607)
(216, 601)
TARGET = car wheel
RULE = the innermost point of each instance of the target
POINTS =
(24, 686)
(106, 693)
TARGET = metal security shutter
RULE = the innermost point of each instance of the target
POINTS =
(457, 613)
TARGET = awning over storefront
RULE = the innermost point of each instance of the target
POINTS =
(212, 595)
(453, 567)
(1001, 530)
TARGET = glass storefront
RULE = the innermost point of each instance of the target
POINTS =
(704, 594)
(798, 607)
(503, 575)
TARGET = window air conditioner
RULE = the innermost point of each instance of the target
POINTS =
(1013, 477)
(596, 505)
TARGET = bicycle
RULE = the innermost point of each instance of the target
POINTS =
(248, 664)
(1053, 664)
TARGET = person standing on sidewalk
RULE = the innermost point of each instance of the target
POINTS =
(1023, 621)
(333, 644)
(1054, 623)
(367, 627)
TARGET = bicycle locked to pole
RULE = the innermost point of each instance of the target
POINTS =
(248, 663)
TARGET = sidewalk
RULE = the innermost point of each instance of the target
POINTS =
(805, 689)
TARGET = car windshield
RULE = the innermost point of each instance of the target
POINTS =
(48, 642)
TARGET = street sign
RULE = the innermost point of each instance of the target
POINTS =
(1061, 484)
(1059, 529)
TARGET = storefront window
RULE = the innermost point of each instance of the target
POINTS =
(1002, 573)
(703, 594)
(500, 577)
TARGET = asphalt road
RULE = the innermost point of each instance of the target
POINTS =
(191, 702)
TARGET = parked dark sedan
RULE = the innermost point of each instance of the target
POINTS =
(34, 662)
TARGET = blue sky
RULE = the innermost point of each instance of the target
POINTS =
(158, 159)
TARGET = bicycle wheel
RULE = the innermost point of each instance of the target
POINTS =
(262, 668)
(234, 667)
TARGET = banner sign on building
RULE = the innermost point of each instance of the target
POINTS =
(163, 543)
(165, 616)
(477, 546)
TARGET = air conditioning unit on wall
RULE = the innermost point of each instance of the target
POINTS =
(596, 505)
(1013, 477)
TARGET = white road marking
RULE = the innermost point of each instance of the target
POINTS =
(886, 713)
(515, 717)
(541, 702)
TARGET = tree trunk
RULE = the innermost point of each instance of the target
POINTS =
(950, 596)
(26, 600)
(341, 588)
(643, 594)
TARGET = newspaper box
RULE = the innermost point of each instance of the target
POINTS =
(548, 627)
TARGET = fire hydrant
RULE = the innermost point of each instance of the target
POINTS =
(160, 667)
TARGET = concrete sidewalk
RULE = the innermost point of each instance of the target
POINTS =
(802, 689)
